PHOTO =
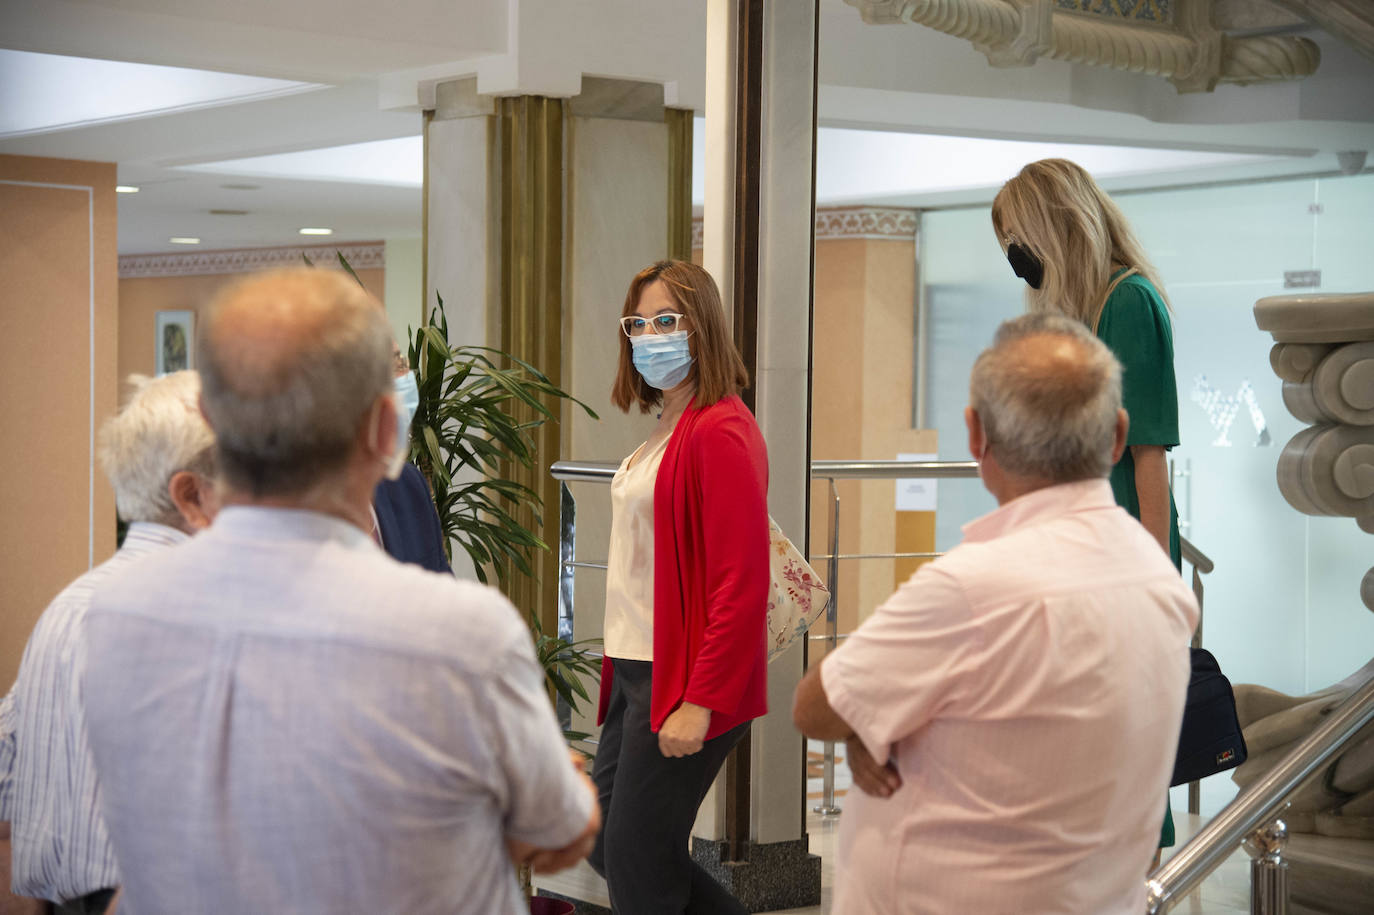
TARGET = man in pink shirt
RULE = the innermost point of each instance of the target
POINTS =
(1011, 713)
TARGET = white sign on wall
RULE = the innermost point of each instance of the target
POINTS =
(916, 495)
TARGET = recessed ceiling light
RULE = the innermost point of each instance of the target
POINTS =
(309, 231)
(125, 189)
(228, 212)
(241, 187)
(183, 240)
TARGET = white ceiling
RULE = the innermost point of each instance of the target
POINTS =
(902, 92)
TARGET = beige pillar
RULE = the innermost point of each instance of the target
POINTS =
(59, 327)
(539, 212)
(762, 246)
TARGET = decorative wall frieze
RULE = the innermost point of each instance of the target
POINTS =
(855, 222)
(1174, 40)
(866, 222)
(360, 255)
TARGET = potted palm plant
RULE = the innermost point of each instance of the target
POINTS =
(464, 431)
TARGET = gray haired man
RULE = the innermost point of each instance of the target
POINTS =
(284, 718)
(158, 454)
(1011, 711)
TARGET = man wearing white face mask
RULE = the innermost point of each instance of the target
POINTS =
(285, 719)
(404, 520)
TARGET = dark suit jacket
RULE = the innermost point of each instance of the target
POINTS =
(408, 522)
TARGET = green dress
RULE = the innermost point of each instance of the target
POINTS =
(1135, 326)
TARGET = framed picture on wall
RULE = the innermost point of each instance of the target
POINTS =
(175, 340)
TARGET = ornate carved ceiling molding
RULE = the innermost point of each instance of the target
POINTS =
(1351, 20)
(360, 255)
(1174, 39)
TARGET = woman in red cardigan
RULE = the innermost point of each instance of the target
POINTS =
(686, 592)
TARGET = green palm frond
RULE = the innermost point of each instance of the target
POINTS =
(464, 431)
(462, 434)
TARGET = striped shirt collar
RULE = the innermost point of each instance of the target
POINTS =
(143, 536)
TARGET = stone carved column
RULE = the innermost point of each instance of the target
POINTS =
(1324, 352)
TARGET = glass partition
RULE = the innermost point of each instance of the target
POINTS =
(1283, 606)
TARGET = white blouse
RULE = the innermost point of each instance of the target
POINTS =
(629, 624)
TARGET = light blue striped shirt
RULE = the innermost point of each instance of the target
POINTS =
(285, 719)
(48, 789)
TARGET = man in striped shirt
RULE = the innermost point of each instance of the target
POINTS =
(159, 455)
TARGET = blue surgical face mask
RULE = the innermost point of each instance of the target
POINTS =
(662, 359)
(407, 399)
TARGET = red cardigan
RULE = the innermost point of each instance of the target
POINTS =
(711, 574)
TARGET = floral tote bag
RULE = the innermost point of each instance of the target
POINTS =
(797, 597)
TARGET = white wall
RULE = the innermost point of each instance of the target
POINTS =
(404, 292)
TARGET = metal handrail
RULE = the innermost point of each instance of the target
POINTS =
(1195, 557)
(603, 471)
(1256, 807)
(891, 470)
(1250, 818)
(829, 470)
(584, 471)
(886, 470)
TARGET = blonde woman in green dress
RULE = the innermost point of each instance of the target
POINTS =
(1071, 244)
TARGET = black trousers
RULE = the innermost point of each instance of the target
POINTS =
(91, 904)
(648, 805)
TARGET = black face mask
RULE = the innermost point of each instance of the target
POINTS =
(1026, 265)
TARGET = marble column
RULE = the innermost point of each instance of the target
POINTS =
(679, 123)
(1324, 353)
(461, 254)
(618, 154)
(764, 109)
(539, 211)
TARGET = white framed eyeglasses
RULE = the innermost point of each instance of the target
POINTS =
(635, 326)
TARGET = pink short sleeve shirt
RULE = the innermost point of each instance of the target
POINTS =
(1028, 686)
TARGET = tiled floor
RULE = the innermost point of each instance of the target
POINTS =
(1226, 892)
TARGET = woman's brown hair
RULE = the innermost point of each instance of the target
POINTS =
(1055, 208)
(717, 368)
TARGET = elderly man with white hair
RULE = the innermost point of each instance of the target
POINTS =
(286, 719)
(1011, 712)
(158, 454)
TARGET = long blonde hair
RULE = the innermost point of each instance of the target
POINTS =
(1055, 208)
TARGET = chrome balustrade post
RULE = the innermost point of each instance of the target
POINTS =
(1201, 564)
(567, 553)
(1268, 870)
(827, 806)
(1257, 804)
(1195, 786)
